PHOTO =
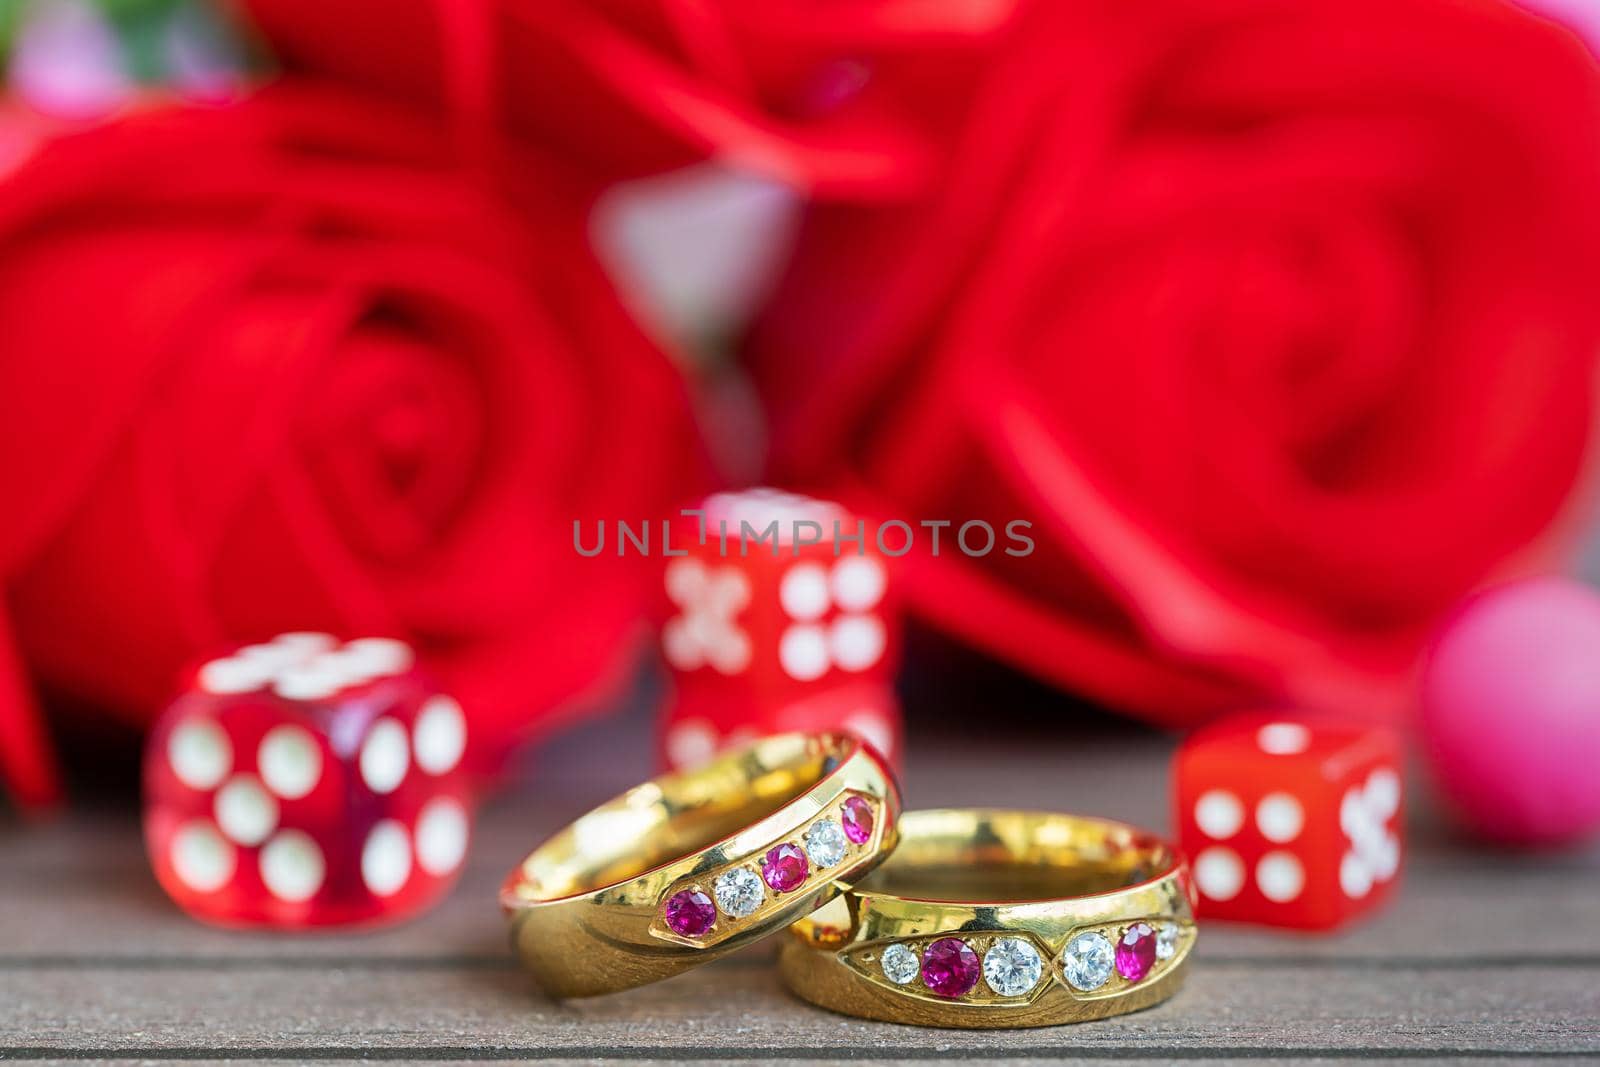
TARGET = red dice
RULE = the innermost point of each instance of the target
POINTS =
(1290, 822)
(304, 782)
(777, 619)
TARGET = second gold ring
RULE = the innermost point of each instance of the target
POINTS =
(988, 918)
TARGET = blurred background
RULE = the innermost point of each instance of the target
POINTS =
(1275, 321)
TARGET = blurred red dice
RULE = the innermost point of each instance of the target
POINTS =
(304, 782)
(1290, 822)
(780, 618)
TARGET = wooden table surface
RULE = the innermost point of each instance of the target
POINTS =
(1484, 954)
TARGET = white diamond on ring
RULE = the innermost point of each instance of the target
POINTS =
(900, 964)
(1087, 961)
(1012, 966)
(738, 892)
(825, 843)
(1167, 941)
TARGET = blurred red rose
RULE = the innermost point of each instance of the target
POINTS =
(286, 365)
(826, 94)
(1277, 319)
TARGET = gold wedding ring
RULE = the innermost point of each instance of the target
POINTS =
(692, 866)
(1001, 919)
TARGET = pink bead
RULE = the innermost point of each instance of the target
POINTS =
(950, 968)
(690, 913)
(1511, 711)
(784, 867)
(1136, 952)
(857, 820)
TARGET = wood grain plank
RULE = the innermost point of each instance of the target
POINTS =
(1441, 918)
(737, 1007)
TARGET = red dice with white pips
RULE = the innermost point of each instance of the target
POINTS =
(1290, 821)
(308, 782)
(776, 628)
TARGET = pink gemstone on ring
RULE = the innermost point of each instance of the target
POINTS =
(857, 819)
(690, 913)
(1136, 951)
(949, 968)
(784, 867)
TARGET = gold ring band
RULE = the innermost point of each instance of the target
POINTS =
(1001, 919)
(691, 866)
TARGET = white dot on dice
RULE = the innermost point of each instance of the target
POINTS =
(440, 735)
(319, 679)
(385, 756)
(1218, 813)
(200, 753)
(858, 583)
(270, 657)
(1219, 872)
(1386, 859)
(727, 592)
(1355, 878)
(1283, 738)
(234, 674)
(680, 645)
(804, 592)
(201, 859)
(1354, 819)
(1280, 877)
(305, 642)
(441, 836)
(344, 669)
(379, 655)
(1383, 793)
(803, 651)
(1279, 817)
(289, 761)
(856, 641)
(292, 866)
(386, 858)
(729, 650)
(246, 812)
(685, 579)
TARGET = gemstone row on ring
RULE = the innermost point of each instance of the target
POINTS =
(950, 967)
(1090, 959)
(739, 892)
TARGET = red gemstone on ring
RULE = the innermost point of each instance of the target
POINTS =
(949, 968)
(857, 820)
(690, 913)
(785, 867)
(1136, 951)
